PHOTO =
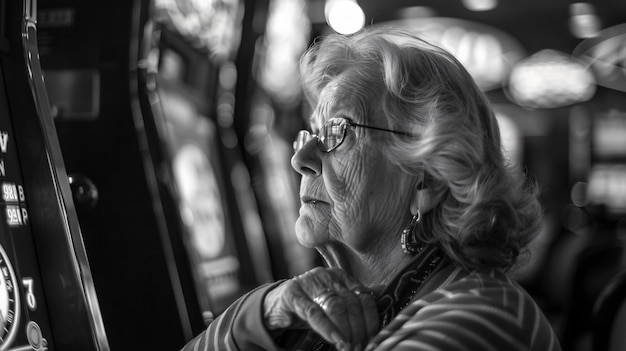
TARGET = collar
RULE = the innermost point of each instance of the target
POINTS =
(408, 282)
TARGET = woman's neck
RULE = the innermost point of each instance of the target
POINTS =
(375, 267)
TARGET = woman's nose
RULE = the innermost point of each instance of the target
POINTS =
(307, 160)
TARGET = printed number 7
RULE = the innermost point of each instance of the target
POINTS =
(31, 301)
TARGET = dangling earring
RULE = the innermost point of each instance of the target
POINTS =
(410, 244)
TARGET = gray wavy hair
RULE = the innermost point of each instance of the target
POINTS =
(489, 210)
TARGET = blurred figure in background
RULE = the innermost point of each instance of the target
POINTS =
(406, 195)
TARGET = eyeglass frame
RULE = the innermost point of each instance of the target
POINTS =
(348, 123)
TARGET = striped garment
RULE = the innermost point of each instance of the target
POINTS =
(454, 310)
(470, 311)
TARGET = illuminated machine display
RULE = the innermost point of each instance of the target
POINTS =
(604, 130)
(47, 296)
(186, 78)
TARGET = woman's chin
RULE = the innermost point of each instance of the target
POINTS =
(307, 234)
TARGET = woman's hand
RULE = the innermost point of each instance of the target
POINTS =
(327, 300)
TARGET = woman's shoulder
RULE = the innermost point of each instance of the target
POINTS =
(484, 278)
(485, 309)
(491, 287)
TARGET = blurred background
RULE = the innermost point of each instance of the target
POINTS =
(176, 118)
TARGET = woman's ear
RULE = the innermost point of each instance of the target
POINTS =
(425, 199)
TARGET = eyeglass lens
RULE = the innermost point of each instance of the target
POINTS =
(331, 135)
(302, 138)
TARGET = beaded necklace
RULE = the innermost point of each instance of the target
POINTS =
(408, 284)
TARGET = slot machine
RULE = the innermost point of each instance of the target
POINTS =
(598, 131)
(185, 78)
(47, 294)
(164, 217)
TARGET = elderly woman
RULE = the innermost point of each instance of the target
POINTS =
(406, 195)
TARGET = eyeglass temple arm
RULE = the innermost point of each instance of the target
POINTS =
(383, 129)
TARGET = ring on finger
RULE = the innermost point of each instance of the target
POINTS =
(322, 299)
(363, 291)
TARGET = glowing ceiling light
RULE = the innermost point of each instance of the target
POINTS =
(480, 5)
(488, 53)
(584, 23)
(550, 79)
(344, 16)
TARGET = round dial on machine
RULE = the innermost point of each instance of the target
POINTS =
(9, 302)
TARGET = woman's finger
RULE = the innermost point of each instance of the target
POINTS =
(317, 313)
(340, 306)
(330, 302)
(365, 322)
(367, 298)
(356, 322)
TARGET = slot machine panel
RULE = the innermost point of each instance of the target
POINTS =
(47, 301)
(112, 134)
(24, 318)
(127, 225)
(100, 138)
(17, 251)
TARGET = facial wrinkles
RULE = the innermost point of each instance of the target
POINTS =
(344, 185)
(393, 203)
(345, 168)
(368, 201)
(354, 176)
(382, 198)
(346, 182)
(369, 198)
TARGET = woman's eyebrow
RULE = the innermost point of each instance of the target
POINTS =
(343, 115)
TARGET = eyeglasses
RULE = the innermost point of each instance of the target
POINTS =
(332, 134)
